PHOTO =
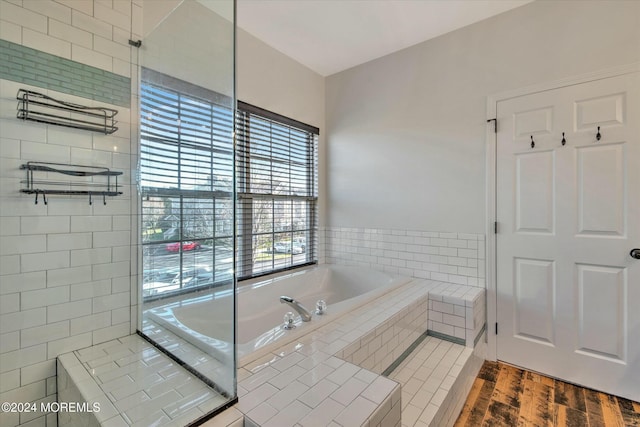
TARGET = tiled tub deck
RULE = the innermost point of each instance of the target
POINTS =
(330, 376)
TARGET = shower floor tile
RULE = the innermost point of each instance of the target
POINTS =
(144, 384)
(427, 375)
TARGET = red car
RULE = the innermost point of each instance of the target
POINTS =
(186, 246)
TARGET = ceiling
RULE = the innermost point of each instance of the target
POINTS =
(329, 36)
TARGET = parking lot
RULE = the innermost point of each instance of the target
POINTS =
(162, 267)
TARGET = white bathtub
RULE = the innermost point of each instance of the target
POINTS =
(205, 320)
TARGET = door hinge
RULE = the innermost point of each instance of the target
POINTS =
(495, 124)
(496, 328)
(495, 227)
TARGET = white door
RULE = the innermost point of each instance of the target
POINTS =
(568, 216)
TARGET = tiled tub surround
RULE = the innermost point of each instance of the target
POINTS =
(97, 370)
(259, 312)
(448, 257)
(305, 381)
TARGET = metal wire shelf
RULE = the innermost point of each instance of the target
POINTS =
(82, 177)
(37, 107)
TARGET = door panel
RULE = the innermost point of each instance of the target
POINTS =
(567, 289)
(534, 199)
(603, 111)
(535, 122)
(534, 298)
(601, 190)
(601, 311)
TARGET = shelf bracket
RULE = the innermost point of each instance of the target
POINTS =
(44, 198)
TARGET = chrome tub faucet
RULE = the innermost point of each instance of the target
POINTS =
(302, 311)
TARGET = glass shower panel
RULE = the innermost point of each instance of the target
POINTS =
(186, 175)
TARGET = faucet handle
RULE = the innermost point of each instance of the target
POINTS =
(288, 320)
(321, 307)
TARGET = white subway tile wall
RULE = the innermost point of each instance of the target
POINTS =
(448, 257)
(65, 269)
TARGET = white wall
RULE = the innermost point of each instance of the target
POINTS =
(406, 132)
(271, 80)
(65, 267)
(193, 43)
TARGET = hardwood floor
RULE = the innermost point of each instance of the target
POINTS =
(503, 395)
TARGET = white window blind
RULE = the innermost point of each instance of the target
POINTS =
(278, 192)
(186, 183)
